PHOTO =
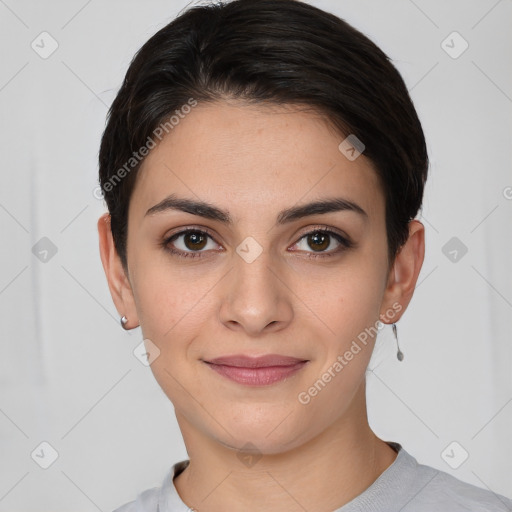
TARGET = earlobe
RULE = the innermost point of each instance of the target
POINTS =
(405, 271)
(118, 283)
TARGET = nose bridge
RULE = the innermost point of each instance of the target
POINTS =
(254, 274)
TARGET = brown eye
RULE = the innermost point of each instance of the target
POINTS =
(194, 240)
(318, 241)
(189, 243)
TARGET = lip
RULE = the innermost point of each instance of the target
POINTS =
(256, 371)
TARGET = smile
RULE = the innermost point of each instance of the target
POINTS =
(261, 371)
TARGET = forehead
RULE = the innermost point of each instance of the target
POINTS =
(235, 155)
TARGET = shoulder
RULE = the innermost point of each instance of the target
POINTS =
(409, 486)
(444, 489)
(159, 499)
(146, 501)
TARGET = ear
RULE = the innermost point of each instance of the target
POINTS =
(118, 282)
(404, 274)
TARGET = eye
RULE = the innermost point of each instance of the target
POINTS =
(188, 243)
(191, 243)
(320, 240)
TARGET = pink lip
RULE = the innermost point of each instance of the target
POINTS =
(256, 371)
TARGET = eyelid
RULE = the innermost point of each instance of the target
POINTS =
(323, 227)
(191, 227)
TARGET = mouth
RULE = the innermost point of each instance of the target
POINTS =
(256, 371)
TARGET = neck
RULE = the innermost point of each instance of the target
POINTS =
(322, 474)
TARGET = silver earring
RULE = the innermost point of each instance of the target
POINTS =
(124, 321)
(399, 354)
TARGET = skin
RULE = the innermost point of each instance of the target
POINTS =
(255, 162)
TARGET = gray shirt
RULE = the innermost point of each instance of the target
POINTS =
(405, 486)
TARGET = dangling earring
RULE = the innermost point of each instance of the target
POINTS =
(124, 321)
(399, 354)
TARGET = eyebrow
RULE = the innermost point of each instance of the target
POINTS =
(208, 211)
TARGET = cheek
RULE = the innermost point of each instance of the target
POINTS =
(169, 298)
(346, 298)
(175, 306)
(350, 307)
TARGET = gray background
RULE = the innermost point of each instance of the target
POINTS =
(68, 376)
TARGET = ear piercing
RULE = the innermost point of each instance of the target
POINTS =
(124, 321)
(399, 354)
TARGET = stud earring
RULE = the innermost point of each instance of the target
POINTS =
(399, 354)
(124, 321)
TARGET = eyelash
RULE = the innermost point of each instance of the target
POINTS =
(345, 244)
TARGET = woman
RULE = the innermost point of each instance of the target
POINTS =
(262, 166)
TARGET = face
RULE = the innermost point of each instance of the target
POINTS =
(256, 275)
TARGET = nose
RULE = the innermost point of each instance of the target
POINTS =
(255, 296)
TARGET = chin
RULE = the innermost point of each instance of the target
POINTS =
(270, 436)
